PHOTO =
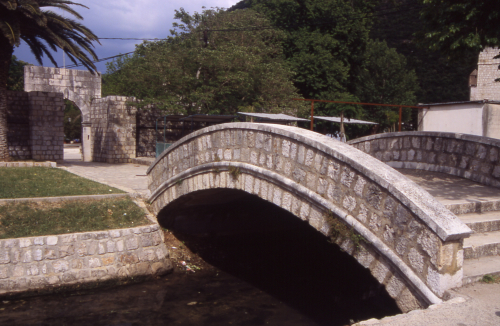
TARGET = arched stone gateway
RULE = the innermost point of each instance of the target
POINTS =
(78, 86)
(411, 243)
(472, 157)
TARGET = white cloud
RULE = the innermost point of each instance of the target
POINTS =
(127, 18)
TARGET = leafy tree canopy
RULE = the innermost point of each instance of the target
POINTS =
(215, 62)
(386, 79)
(324, 41)
(16, 74)
(441, 78)
(454, 25)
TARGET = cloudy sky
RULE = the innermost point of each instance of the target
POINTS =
(126, 19)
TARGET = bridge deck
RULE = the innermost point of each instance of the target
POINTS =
(476, 205)
(449, 189)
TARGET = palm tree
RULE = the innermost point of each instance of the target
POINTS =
(42, 30)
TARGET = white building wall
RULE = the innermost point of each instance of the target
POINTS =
(466, 118)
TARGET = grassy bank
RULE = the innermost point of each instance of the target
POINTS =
(47, 182)
(31, 219)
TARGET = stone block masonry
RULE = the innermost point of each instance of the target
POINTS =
(487, 72)
(41, 264)
(18, 122)
(47, 126)
(35, 122)
(113, 129)
(414, 245)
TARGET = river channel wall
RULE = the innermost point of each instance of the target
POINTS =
(46, 263)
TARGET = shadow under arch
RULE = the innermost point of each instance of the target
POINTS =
(269, 248)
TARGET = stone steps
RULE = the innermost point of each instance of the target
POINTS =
(474, 206)
(475, 269)
(482, 249)
(482, 244)
(482, 222)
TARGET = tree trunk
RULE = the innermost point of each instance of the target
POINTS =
(5, 58)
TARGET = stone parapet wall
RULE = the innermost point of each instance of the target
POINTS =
(414, 245)
(472, 157)
(43, 263)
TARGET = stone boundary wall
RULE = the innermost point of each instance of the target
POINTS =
(414, 244)
(40, 264)
(146, 131)
(472, 157)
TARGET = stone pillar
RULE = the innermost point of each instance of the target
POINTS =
(86, 142)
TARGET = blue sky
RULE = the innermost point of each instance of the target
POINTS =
(126, 19)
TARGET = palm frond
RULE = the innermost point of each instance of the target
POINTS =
(45, 31)
(11, 32)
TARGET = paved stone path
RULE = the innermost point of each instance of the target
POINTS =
(127, 177)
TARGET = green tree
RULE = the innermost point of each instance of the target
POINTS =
(441, 78)
(455, 25)
(72, 121)
(41, 30)
(216, 62)
(16, 74)
(324, 41)
(386, 79)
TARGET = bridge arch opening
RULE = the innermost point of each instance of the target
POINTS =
(414, 245)
(274, 250)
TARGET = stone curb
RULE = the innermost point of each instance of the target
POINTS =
(142, 161)
(27, 164)
(64, 198)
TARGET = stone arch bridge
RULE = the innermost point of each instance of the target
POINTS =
(413, 244)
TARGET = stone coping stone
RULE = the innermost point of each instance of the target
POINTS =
(64, 198)
(27, 164)
(452, 135)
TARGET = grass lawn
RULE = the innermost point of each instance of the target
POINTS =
(32, 219)
(47, 182)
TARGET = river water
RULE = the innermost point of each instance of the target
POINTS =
(284, 276)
